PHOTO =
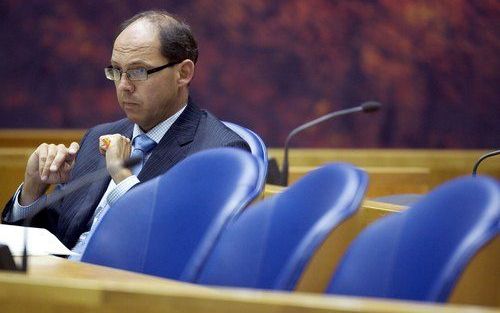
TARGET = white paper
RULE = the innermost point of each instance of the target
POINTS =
(40, 241)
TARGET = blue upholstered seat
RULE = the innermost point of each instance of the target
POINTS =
(270, 243)
(256, 144)
(419, 254)
(167, 226)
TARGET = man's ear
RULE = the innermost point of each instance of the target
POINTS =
(186, 72)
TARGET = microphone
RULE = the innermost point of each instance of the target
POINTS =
(6, 259)
(368, 107)
(483, 157)
(83, 181)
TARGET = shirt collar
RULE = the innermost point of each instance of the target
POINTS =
(156, 133)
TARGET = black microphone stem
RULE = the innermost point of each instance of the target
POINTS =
(24, 264)
(485, 156)
(83, 181)
(304, 126)
(367, 107)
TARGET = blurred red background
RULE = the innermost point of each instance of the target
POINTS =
(272, 65)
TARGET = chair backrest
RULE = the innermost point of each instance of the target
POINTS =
(419, 254)
(256, 144)
(168, 225)
(270, 243)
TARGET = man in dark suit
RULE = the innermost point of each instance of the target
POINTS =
(152, 64)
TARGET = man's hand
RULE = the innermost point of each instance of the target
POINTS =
(49, 164)
(117, 149)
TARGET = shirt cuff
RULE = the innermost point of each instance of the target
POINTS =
(121, 189)
(21, 211)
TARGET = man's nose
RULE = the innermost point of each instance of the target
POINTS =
(125, 83)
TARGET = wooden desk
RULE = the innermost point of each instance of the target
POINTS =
(58, 285)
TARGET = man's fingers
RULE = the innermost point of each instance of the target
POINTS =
(42, 152)
(104, 143)
(61, 155)
(51, 154)
(66, 167)
(115, 141)
(72, 150)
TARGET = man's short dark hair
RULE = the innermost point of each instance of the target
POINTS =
(177, 43)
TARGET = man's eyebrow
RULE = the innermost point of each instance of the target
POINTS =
(131, 64)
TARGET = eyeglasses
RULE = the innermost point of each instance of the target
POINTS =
(140, 73)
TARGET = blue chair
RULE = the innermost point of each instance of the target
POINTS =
(270, 243)
(167, 226)
(420, 253)
(257, 146)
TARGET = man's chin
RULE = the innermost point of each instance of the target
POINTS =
(133, 117)
(136, 120)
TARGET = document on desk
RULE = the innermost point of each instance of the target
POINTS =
(39, 241)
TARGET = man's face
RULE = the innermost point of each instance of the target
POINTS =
(150, 101)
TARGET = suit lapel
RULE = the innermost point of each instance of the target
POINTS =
(175, 144)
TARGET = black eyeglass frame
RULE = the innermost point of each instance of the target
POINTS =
(151, 71)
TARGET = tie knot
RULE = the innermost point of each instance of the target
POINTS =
(144, 143)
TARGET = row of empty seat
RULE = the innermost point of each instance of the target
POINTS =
(194, 224)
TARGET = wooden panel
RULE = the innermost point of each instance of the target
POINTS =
(12, 166)
(270, 190)
(34, 137)
(442, 164)
(65, 286)
(387, 167)
(324, 262)
(383, 181)
(480, 282)
(56, 267)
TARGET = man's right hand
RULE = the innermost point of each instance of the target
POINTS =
(49, 164)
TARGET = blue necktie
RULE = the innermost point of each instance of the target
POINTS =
(142, 146)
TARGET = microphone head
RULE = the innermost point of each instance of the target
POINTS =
(370, 106)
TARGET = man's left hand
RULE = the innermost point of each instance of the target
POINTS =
(116, 149)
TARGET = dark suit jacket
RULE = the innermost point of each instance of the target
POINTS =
(193, 131)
